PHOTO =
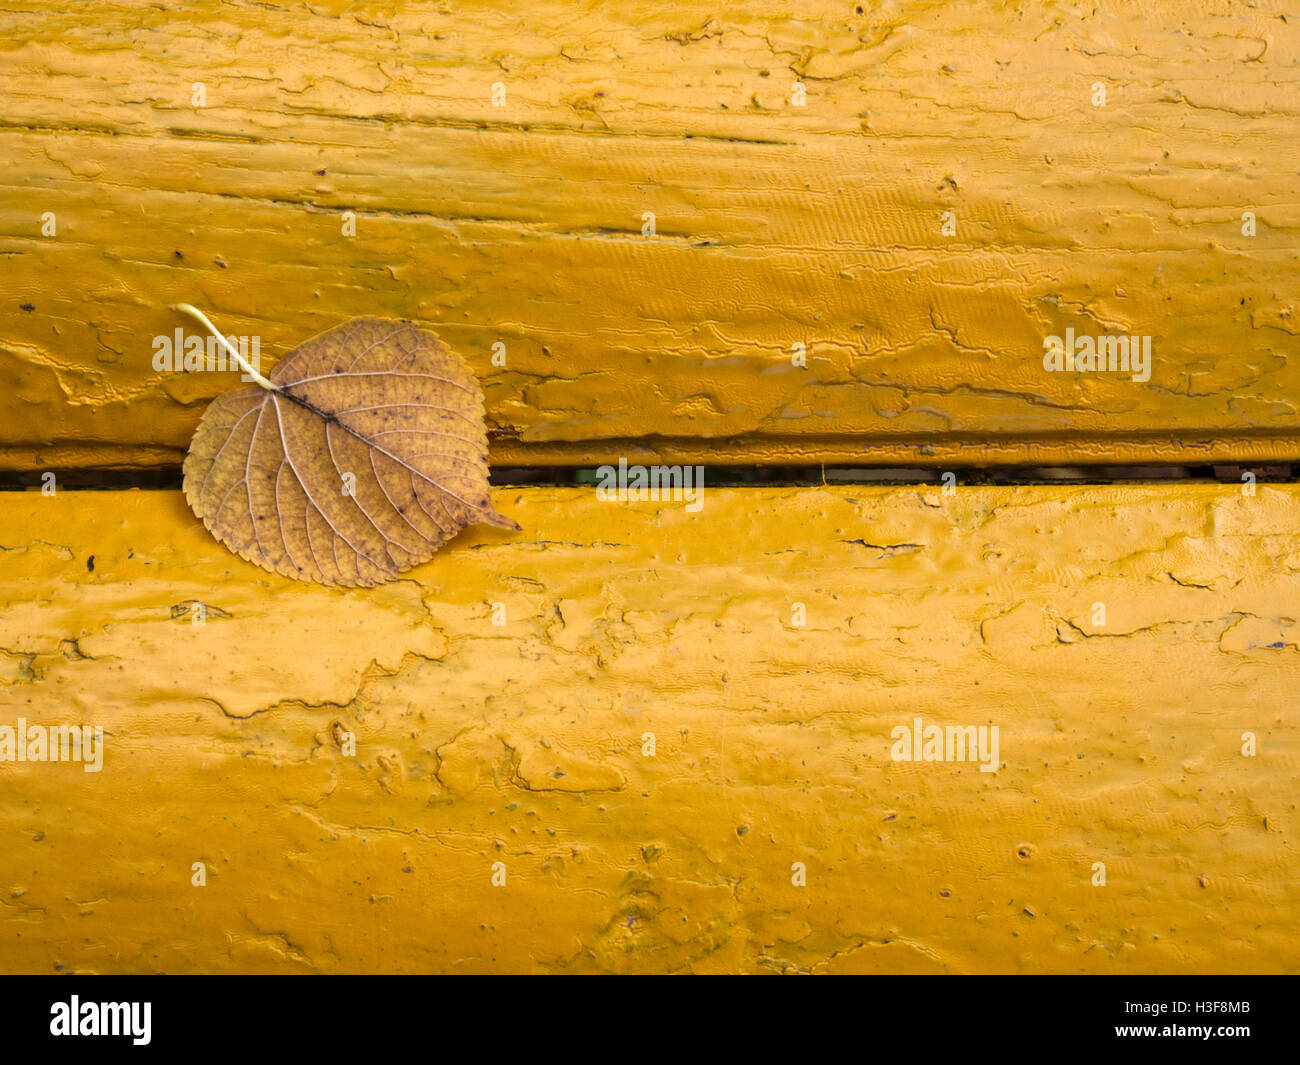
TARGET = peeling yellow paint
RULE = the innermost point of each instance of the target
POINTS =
(524, 743)
(776, 224)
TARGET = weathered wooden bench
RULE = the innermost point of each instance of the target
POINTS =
(633, 736)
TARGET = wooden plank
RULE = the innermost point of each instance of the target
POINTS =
(776, 224)
(1120, 743)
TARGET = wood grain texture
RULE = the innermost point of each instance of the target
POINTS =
(776, 224)
(521, 743)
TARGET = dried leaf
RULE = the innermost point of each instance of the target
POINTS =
(361, 455)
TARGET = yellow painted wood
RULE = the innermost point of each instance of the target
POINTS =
(1120, 743)
(776, 224)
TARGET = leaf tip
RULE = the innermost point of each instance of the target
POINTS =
(491, 517)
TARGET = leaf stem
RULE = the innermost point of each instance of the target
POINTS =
(243, 363)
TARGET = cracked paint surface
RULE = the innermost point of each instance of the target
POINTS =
(776, 224)
(523, 743)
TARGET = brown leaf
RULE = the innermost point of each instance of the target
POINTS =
(385, 402)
